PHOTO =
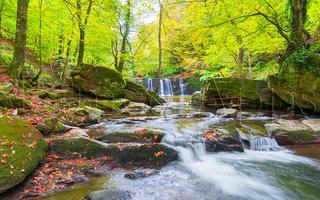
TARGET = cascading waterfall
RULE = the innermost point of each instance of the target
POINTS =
(264, 144)
(161, 88)
(181, 86)
(168, 87)
(150, 84)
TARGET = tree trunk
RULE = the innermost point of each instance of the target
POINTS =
(20, 38)
(299, 15)
(123, 50)
(159, 40)
(81, 47)
(66, 63)
(240, 61)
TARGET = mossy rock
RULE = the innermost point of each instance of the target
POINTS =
(196, 99)
(82, 116)
(136, 137)
(145, 155)
(137, 93)
(51, 126)
(253, 93)
(22, 147)
(107, 105)
(57, 94)
(289, 132)
(11, 101)
(298, 87)
(98, 81)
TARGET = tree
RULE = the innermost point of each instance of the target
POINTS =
(1, 9)
(20, 38)
(159, 39)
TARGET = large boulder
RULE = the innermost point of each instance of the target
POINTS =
(196, 99)
(235, 92)
(98, 81)
(22, 147)
(57, 94)
(137, 93)
(51, 126)
(143, 136)
(137, 154)
(298, 87)
(137, 109)
(289, 132)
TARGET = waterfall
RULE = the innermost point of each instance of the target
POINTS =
(150, 84)
(161, 88)
(181, 86)
(264, 144)
(166, 88)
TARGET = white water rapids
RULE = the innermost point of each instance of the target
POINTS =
(205, 176)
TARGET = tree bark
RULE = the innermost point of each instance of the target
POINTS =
(159, 40)
(20, 38)
(123, 50)
(1, 9)
(299, 15)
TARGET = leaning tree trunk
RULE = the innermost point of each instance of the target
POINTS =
(21, 37)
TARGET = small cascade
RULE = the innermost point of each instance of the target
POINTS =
(264, 144)
(150, 84)
(181, 86)
(161, 92)
(168, 87)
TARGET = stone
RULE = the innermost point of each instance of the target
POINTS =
(314, 124)
(144, 155)
(98, 81)
(137, 93)
(109, 195)
(51, 126)
(11, 101)
(227, 112)
(107, 105)
(22, 148)
(290, 132)
(82, 116)
(57, 94)
(140, 174)
(224, 145)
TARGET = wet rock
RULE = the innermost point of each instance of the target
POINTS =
(144, 155)
(22, 147)
(107, 105)
(109, 195)
(82, 116)
(51, 126)
(314, 124)
(98, 81)
(199, 115)
(137, 93)
(143, 136)
(289, 132)
(227, 112)
(139, 175)
(224, 145)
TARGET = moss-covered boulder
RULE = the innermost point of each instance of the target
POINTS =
(289, 132)
(11, 101)
(57, 94)
(82, 116)
(297, 86)
(98, 81)
(196, 99)
(137, 93)
(236, 92)
(137, 109)
(145, 155)
(22, 147)
(106, 105)
(51, 126)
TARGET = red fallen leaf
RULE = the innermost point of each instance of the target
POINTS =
(3, 162)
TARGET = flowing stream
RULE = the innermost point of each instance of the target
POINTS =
(266, 171)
